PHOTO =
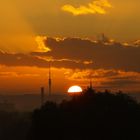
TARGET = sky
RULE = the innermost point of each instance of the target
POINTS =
(82, 39)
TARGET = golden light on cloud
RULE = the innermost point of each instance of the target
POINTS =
(88, 62)
(41, 45)
(95, 7)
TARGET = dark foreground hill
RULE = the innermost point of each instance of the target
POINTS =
(96, 116)
(14, 125)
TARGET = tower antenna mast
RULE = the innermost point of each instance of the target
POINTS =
(42, 96)
(50, 80)
(90, 82)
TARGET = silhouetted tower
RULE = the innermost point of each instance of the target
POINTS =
(90, 91)
(103, 38)
(90, 84)
(42, 96)
(50, 80)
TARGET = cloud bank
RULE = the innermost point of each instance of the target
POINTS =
(97, 54)
(95, 7)
(77, 53)
(109, 63)
(34, 60)
(103, 78)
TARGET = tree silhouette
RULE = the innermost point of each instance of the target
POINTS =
(91, 115)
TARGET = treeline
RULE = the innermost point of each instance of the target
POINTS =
(88, 116)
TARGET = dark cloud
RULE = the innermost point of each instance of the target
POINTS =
(79, 53)
(124, 81)
(103, 74)
(109, 55)
(19, 59)
(121, 83)
(127, 81)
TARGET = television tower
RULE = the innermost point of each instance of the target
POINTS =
(42, 96)
(50, 80)
(90, 83)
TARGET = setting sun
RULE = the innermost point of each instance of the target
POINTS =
(75, 89)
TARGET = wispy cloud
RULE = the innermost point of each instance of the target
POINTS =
(95, 7)
(106, 78)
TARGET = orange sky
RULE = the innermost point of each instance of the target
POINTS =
(69, 34)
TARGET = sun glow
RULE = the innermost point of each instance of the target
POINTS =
(75, 89)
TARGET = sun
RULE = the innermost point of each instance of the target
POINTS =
(75, 89)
